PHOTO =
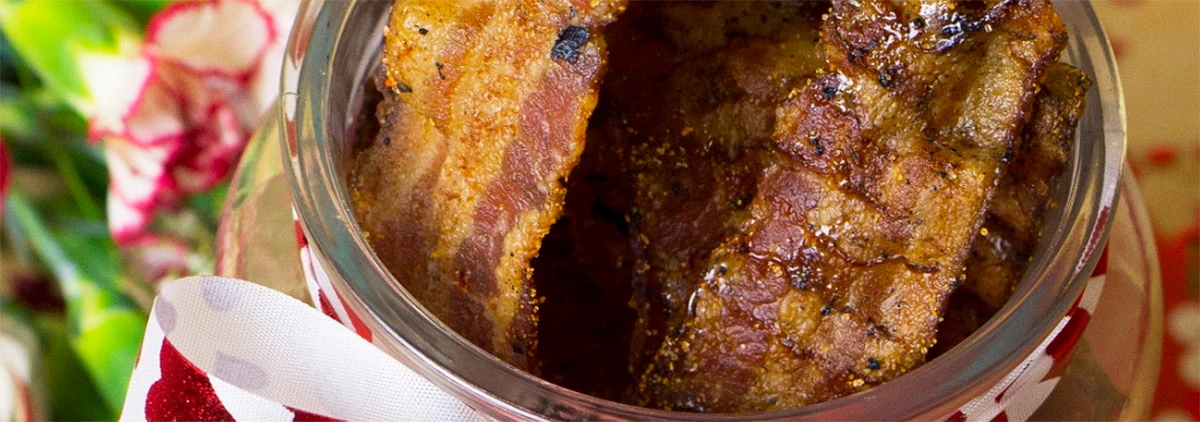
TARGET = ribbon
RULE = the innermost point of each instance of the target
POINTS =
(220, 348)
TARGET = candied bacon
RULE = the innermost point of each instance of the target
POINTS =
(766, 216)
(1011, 230)
(863, 220)
(484, 116)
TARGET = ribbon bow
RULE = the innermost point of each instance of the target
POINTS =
(220, 348)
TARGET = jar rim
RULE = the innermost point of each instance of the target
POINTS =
(327, 39)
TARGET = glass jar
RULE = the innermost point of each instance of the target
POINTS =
(335, 45)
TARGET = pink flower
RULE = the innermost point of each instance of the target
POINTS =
(175, 118)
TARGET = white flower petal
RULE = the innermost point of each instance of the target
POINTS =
(117, 84)
(137, 174)
(126, 223)
(156, 117)
(223, 37)
(264, 86)
(216, 147)
(179, 124)
(157, 256)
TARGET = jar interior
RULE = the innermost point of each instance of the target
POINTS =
(1072, 227)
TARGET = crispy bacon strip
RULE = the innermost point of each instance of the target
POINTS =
(998, 259)
(484, 117)
(1001, 252)
(674, 150)
(861, 226)
(694, 154)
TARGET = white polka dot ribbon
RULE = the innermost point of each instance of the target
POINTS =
(225, 349)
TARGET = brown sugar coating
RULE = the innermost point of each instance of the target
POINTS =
(861, 224)
(674, 150)
(1006, 242)
(1024, 193)
(484, 115)
(716, 206)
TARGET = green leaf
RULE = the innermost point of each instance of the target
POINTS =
(142, 10)
(56, 366)
(105, 328)
(17, 120)
(209, 204)
(44, 132)
(52, 37)
(69, 396)
(18, 209)
(108, 344)
(17, 243)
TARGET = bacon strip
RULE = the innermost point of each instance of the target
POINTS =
(1024, 194)
(1010, 233)
(674, 151)
(862, 223)
(484, 117)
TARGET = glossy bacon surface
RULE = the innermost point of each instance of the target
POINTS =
(999, 257)
(863, 219)
(1002, 251)
(694, 154)
(674, 151)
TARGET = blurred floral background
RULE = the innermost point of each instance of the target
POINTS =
(120, 122)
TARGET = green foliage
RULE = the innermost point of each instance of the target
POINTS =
(68, 394)
(57, 222)
(104, 327)
(141, 10)
(52, 37)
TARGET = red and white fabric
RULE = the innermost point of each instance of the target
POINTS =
(321, 290)
(221, 348)
(224, 349)
(1028, 385)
